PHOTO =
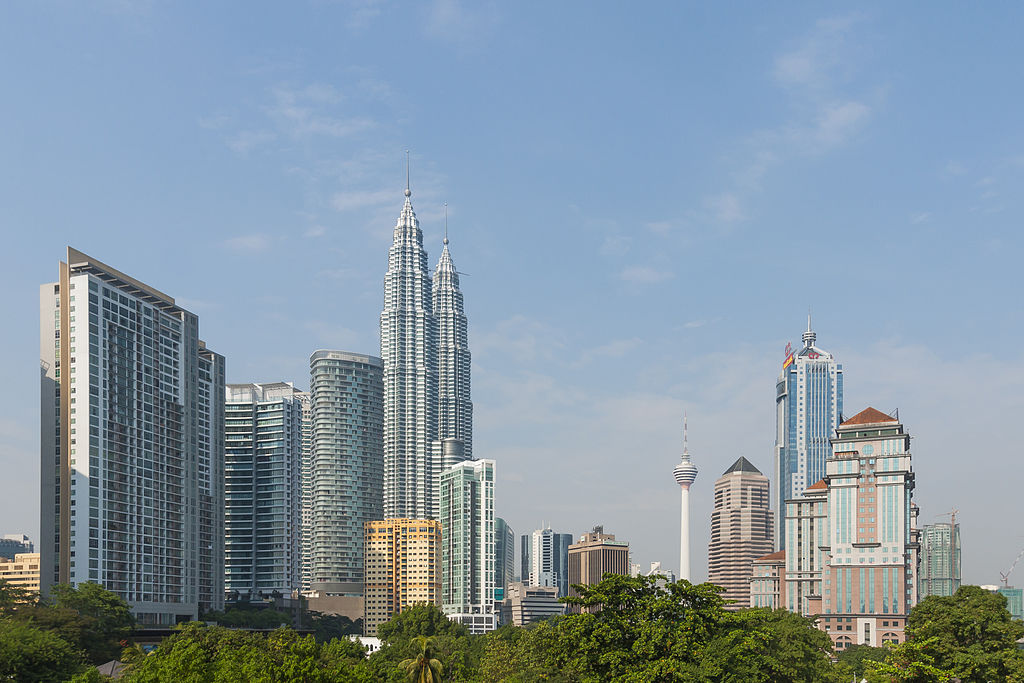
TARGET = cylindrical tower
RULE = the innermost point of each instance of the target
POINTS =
(685, 473)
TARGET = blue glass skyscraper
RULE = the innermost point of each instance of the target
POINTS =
(809, 403)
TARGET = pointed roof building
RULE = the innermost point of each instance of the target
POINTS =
(869, 416)
(742, 465)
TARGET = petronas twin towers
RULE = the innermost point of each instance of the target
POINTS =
(428, 414)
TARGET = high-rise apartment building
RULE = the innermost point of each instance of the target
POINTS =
(306, 493)
(132, 444)
(262, 468)
(347, 466)
(806, 535)
(939, 570)
(809, 403)
(467, 556)
(402, 568)
(545, 559)
(504, 557)
(408, 348)
(869, 581)
(741, 530)
(593, 556)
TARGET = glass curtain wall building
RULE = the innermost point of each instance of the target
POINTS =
(132, 444)
(262, 518)
(809, 406)
(939, 572)
(347, 465)
(545, 559)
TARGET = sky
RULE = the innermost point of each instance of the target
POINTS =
(645, 203)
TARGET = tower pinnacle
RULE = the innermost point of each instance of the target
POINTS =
(446, 222)
(408, 192)
(809, 337)
(685, 474)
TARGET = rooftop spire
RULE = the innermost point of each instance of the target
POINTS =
(408, 192)
(446, 222)
(809, 337)
(686, 447)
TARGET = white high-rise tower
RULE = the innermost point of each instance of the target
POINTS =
(685, 473)
(408, 348)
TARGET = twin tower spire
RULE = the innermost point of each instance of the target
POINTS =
(428, 412)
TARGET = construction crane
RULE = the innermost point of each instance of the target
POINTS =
(1006, 576)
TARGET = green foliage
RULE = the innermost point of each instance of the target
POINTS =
(419, 620)
(857, 656)
(909, 662)
(768, 645)
(213, 654)
(237, 617)
(90, 617)
(330, 626)
(424, 667)
(519, 655)
(14, 597)
(29, 654)
(973, 634)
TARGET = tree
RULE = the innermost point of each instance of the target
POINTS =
(330, 626)
(973, 634)
(855, 658)
(213, 654)
(419, 620)
(424, 667)
(768, 645)
(909, 662)
(13, 597)
(32, 655)
(107, 618)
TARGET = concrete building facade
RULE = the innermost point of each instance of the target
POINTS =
(594, 555)
(21, 571)
(132, 444)
(806, 535)
(939, 571)
(741, 530)
(768, 580)
(402, 568)
(869, 581)
(525, 605)
(467, 556)
(545, 559)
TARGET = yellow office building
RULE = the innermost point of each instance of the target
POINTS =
(22, 572)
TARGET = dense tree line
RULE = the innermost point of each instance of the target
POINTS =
(631, 629)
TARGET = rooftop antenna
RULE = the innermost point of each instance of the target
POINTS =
(686, 447)
(446, 222)
(408, 192)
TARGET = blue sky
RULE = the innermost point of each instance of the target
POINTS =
(645, 203)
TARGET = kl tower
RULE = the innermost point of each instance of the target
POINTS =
(685, 473)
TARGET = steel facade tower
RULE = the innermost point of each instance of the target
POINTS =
(408, 348)
(455, 409)
(809, 405)
(685, 473)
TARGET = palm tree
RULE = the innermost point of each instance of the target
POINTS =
(423, 668)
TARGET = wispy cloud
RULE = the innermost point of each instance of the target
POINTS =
(725, 208)
(644, 275)
(300, 112)
(617, 348)
(248, 243)
(247, 140)
(315, 231)
(460, 23)
(921, 217)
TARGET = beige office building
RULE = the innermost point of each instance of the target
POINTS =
(22, 571)
(402, 567)
(741, 530)
(769, 575)
(593, 556)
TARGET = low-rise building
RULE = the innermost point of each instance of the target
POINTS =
(525, 605)
(22, 571)
(768, 579)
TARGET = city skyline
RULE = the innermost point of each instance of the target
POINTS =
(616, 280)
